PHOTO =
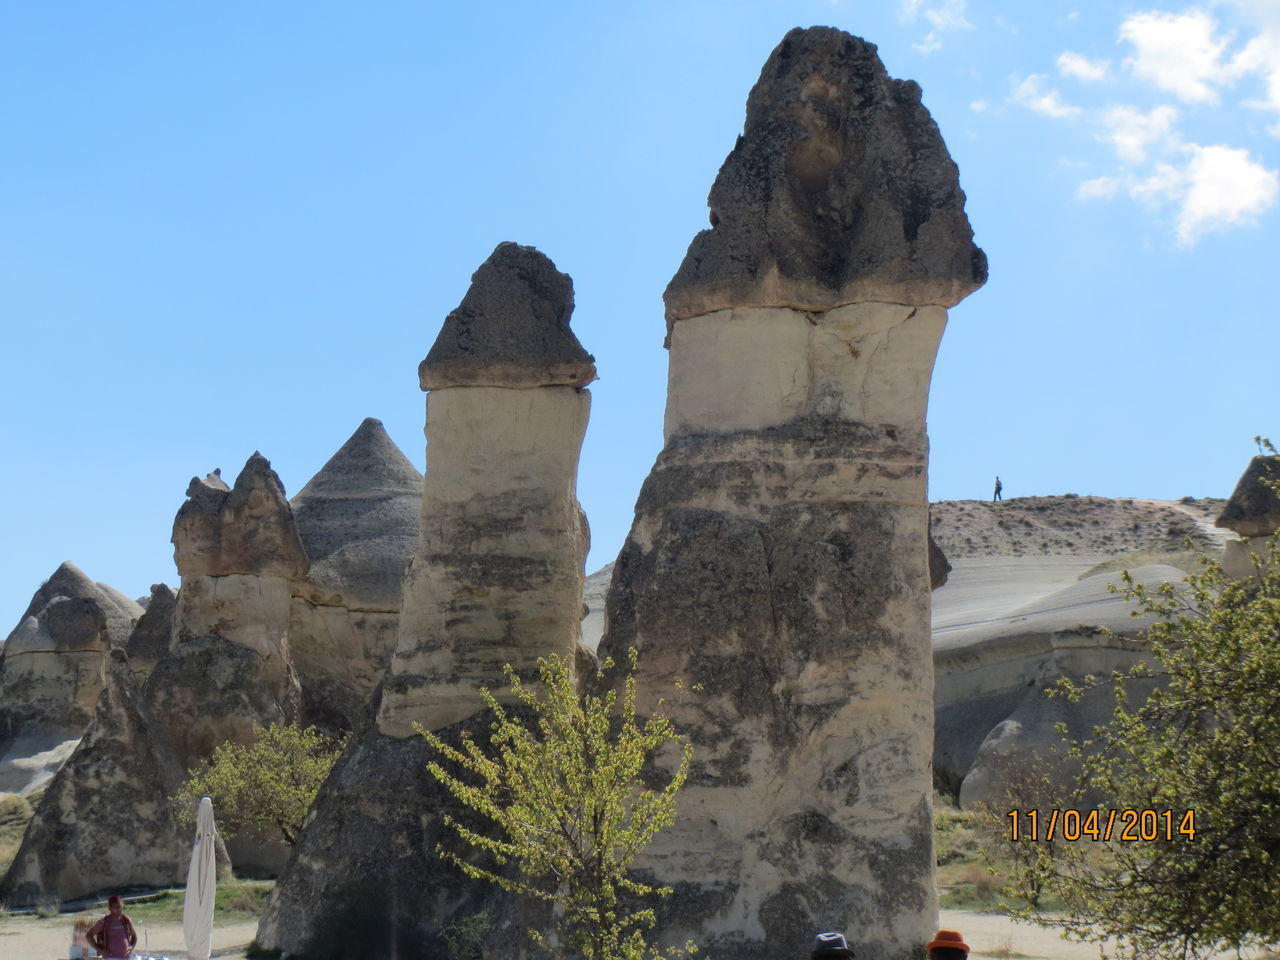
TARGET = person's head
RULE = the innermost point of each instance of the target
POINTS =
(948, 945)
(831, 946)
(114, 904)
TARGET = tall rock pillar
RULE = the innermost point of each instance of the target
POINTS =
(496, 578)
(779, 555)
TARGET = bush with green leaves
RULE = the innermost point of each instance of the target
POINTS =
(269, 783)
(1208, 741)
(559, 784)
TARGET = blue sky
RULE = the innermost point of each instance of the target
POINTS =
(238, 226)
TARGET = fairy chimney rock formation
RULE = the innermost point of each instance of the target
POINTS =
(498, 573)
(358, 518)
(1252, 511)
(496, 578)
(228, 669)
(779, 555)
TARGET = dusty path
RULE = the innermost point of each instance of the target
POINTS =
(31, 938)
(993, 935)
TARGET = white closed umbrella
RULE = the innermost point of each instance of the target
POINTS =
(197, 912)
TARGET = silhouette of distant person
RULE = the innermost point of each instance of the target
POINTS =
(996, 496)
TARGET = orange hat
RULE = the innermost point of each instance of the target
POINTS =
(948, 938)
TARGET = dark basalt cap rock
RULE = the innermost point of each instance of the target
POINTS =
(1254, 508)
(248, 529)
(359, 518)
(839, 190)
(511, 329)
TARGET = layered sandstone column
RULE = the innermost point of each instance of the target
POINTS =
(228, 668)
(779, 556)
(496, 578)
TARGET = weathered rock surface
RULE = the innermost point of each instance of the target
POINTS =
(840, 190)
(238, 552)
(1254, 508)
(994, 722)
(106, 816)
(511, 329)
(51, 665)
(246, 530)
(1252, 512)
(149, 641)
(779, 555)
(358, 518)
(496, 578)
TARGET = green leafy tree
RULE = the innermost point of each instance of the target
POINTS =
(1205, 747)
(560, 783)
(270, 782)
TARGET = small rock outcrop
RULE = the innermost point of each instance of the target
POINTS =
(1253, 512)
(358, 518)
(779, 556)
(148, 644)
(51, 673)
(496, 578)
(105, 819)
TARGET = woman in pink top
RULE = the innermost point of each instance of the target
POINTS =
(113, 936)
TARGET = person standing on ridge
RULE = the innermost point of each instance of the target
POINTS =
(996, 496)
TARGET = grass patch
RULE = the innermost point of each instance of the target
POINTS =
(236, 901)
(15, 814)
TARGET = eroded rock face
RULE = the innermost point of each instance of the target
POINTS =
(511, 329)
(840, 190)
(51, 667)
(1254, 507)
(105, 820)
(358, 519)
(149, 641)
(496, 578)
(238, 552)
(245, 530)
(779, 555)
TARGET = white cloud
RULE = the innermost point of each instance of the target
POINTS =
(941, 15)
(1077, 65)
(948, 15)
(1178, 53)
(1031, 93)
(1131, 131)
(979, 106)
(930, 43)
(1218, 187)
(1261, 55)
(1103, 188)
(1225, 188)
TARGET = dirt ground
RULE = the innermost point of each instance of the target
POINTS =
(32, 938)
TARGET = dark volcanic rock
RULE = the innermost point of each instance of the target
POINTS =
(392, 895)
(511, 329)
(840, 189)
(1254, 508)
